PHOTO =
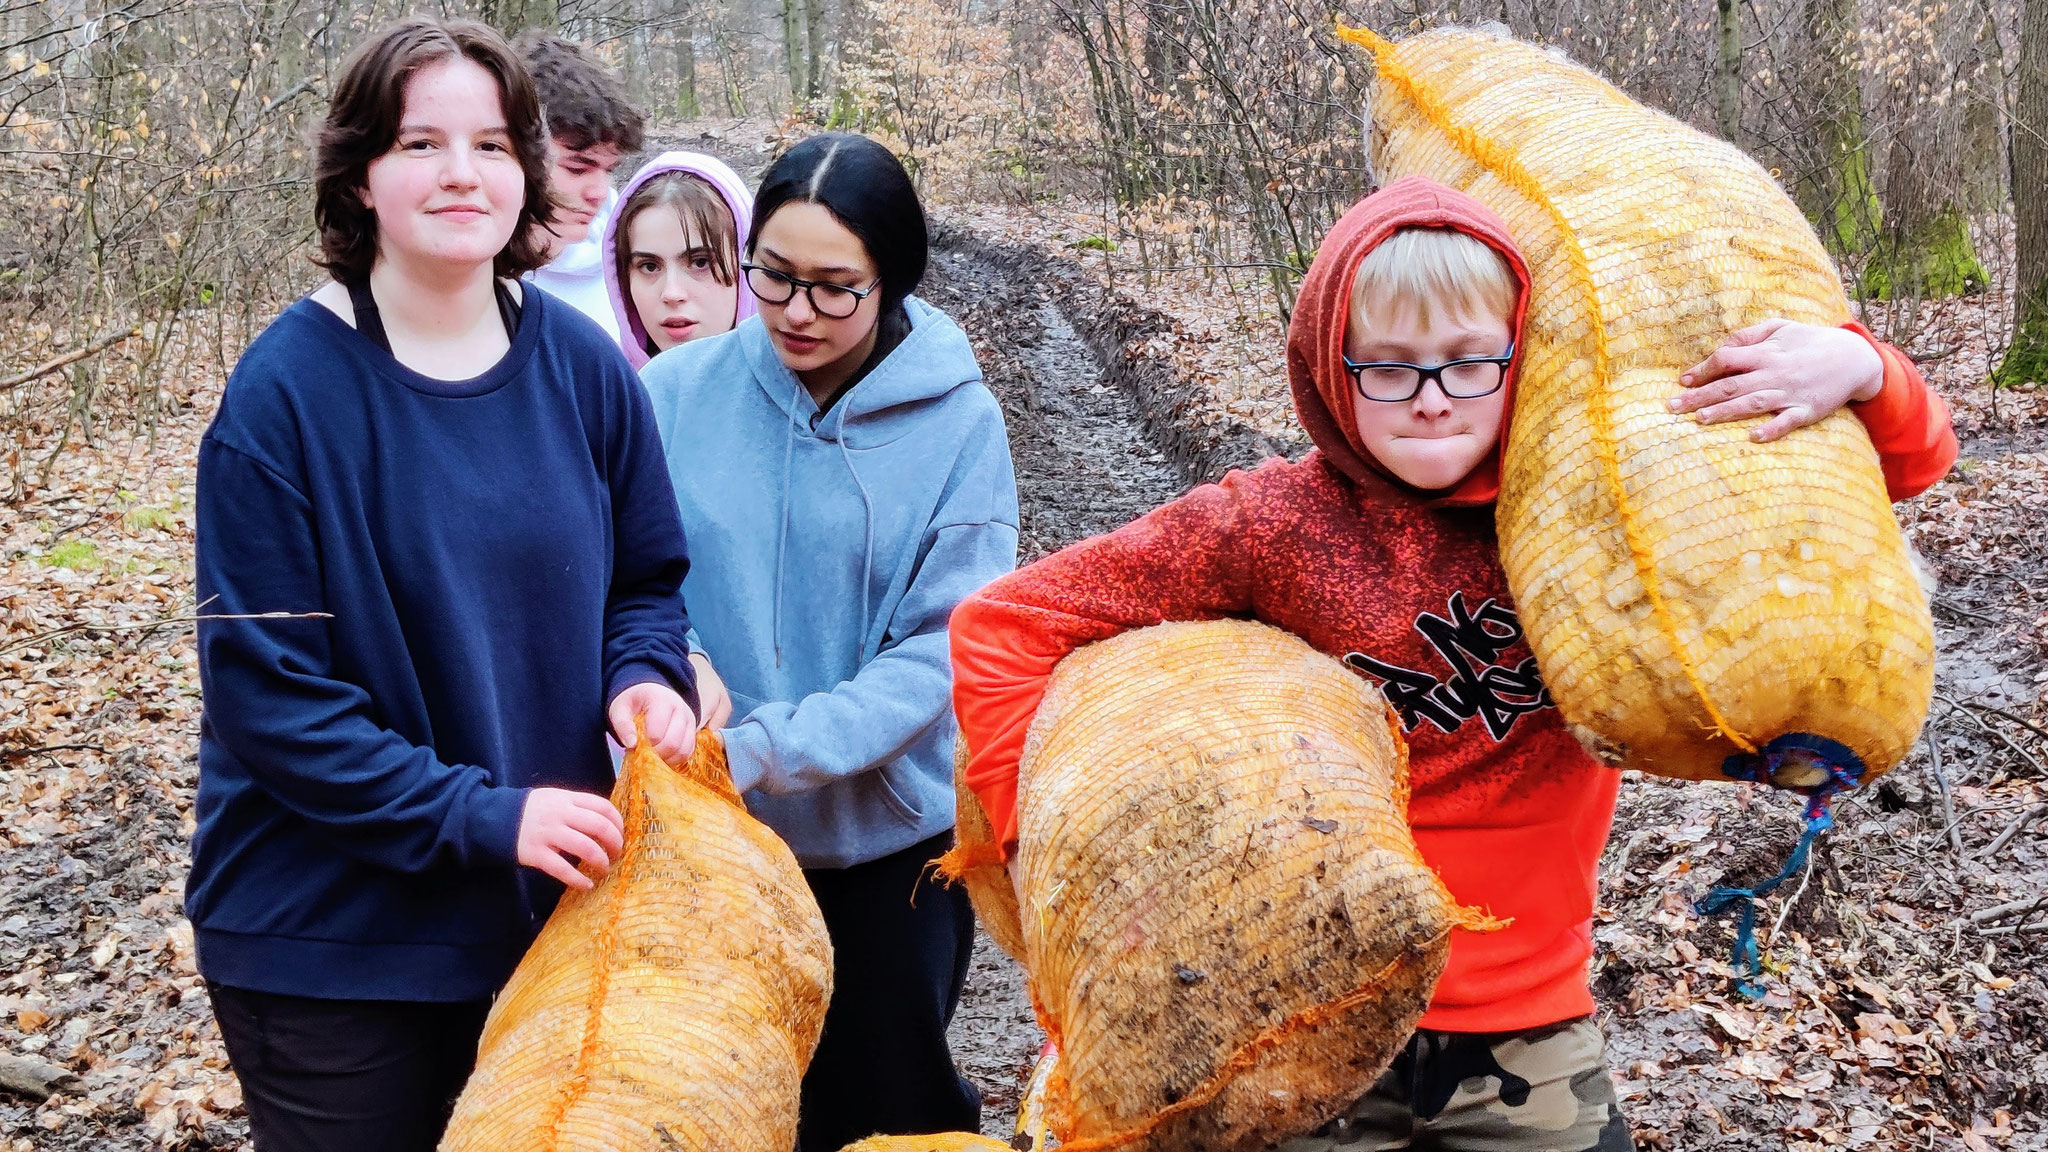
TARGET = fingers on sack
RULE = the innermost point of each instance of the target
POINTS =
(592, 854)
(1743, 407)
(680, 739)
(556, 865)
(1727, 360)
(1757, 333)
(621, 716)
(1777, 427)
(595, 817)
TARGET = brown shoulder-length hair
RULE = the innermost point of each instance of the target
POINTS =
(363, 121)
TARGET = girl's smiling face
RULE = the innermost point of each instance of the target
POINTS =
(673, 280)
(451, 188)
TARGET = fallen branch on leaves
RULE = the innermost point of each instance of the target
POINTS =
(72, 357)
(12, 753)
(33, 1078)
(2001, 911)
(2009, 742)
(2012, 830)
(159, 623)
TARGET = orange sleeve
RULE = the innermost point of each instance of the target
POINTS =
(1178, 562)
(1908, 424)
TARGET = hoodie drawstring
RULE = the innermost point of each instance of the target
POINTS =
(782, 537)
(867, 503)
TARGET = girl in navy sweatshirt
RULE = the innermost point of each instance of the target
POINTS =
(438, 552)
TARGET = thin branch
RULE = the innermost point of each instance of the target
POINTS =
(2008, 741)
(158, 623)
(72, 357)
(11, 753)
(2012, 830)
(1948, 808)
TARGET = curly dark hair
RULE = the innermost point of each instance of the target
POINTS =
(584, 104)
(363, 121)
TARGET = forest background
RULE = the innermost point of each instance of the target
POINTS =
(153, 153)
(1158, 172)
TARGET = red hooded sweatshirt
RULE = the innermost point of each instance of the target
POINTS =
(1405, 586)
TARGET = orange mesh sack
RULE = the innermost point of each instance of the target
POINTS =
(674, 1005)
(1701, 606)
(977, 862)
(1226, 927)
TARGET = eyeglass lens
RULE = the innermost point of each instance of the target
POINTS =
(1460, 380)
(826, 299)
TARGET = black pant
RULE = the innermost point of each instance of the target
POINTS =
(901, 941)
(347, 1075)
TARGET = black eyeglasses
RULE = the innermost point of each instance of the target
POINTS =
(836, 301)
(1397, 382)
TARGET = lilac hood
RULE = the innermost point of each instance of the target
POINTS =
(738, 201)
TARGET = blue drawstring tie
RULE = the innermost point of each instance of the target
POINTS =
(1844, 771)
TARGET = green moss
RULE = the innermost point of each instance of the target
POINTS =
(2026, 362)
(1937, 259)
(77, 555)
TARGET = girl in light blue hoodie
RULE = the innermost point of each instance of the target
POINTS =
(845, 480)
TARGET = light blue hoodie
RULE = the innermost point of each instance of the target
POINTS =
(826, 554)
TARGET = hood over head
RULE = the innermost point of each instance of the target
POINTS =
(738, 201)
(1315, 335)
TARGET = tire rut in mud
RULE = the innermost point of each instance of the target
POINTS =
(1085, 465)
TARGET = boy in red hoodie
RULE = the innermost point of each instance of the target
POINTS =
(1379, 549)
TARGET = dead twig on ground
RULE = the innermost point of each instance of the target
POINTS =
(159, 623)
(2011, 830)
(13, 753)
(2009, 742)
(1948, 806)
(2001, 911)
(71, 357)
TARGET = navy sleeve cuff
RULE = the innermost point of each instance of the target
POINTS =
(675, 673)
(491, 831)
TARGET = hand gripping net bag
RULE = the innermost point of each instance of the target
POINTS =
(674, 1005)
(1701, 606)
(1227, 930)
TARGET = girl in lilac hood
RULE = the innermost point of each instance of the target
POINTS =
(672, 249)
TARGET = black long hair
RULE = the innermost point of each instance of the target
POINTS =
(866, 189)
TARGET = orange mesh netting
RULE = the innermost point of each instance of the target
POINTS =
(674, 1005)
(1227, 929)
(1690, 596)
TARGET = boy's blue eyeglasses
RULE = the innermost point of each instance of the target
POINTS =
(1397, 382)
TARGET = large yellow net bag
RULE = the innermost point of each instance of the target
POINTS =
(673, 1006)
(1701, 606)
(1226, 927)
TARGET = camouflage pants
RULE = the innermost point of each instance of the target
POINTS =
(1545, 1090)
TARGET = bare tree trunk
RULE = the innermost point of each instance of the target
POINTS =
(687, 105)
(793, 48)
(1840, 199)
(1728, 105)
(814, 33)
(2027, 360)
(1926, 248)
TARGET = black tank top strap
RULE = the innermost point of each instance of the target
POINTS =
(368, 321)
(508, 310)
(371, 324)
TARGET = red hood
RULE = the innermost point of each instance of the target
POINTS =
(1315, 337)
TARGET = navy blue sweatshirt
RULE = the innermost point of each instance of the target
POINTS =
(498, 557)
